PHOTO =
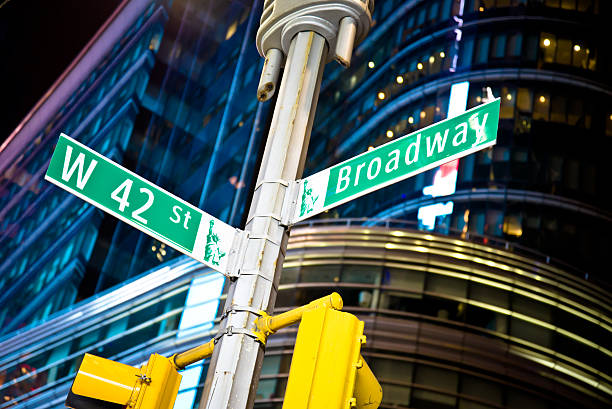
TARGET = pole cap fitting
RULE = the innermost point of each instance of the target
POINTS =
(282, 19)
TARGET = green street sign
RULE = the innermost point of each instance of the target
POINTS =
(138, 202)
(392, 162)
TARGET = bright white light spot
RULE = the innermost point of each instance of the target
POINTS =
(458, 99)
(427, 214)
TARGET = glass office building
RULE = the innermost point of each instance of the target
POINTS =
(488, 288)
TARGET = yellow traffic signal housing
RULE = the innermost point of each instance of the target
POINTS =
(104, 384)
(327, 370)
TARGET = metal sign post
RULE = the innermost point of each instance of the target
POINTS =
(236, 361)
(303, 31)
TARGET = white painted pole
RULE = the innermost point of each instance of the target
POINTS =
(236, 362)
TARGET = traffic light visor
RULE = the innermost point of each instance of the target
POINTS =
(102, 383)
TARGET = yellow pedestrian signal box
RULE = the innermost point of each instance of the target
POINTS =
(327, 369)
(104, 384)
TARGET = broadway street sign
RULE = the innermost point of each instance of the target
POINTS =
(145, 206)
(392, 162)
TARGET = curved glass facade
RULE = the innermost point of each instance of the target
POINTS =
(450, 323)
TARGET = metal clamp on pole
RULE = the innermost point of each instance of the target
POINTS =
(229, 331)
(237, 253)
(237, 308)
(289, 203)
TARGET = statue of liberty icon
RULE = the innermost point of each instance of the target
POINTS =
(212, 253)
(308, 200)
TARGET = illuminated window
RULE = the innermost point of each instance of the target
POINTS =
(568, 4)
(564, 51)
(427, 115)
(513, 225)
(580, 56)
(542, 107)
(507, 103)
(524, 100)
(549, 45)
(592, 60)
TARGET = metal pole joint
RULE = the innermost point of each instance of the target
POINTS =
(268, 325)
(184, 359)
(342, 23)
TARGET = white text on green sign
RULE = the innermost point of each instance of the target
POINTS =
(138, 202)
(392, 162)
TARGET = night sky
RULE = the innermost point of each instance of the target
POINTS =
(38, 40)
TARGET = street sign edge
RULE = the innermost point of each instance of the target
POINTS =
(111, 162)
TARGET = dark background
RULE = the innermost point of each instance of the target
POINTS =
(38, 41)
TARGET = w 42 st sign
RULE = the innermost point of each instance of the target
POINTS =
(395, 161)
(138, 202)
